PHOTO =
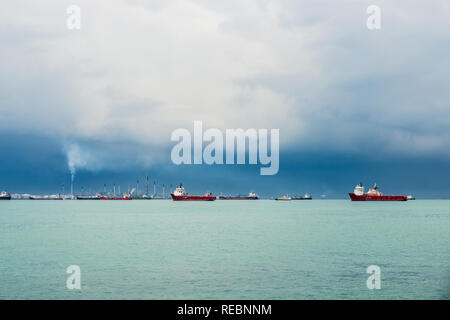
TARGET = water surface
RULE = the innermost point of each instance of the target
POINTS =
(263, 249)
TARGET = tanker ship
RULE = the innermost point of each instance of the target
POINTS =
(5, 196)
(124, 197)
(181, 195)
(307, 196)
(251, 196)
(88, 197)
(372, 195)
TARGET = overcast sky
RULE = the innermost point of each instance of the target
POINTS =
(357, 103)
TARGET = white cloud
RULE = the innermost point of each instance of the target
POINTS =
(138, 70)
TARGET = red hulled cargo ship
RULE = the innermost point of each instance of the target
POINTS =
(181, 195)
(373, 195)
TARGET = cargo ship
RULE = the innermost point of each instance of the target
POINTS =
(251, 196)
(5, 196)
(307, 196)
(142, 197)
(81, 197)
(124, 197)
(181, 195)
(372, 195)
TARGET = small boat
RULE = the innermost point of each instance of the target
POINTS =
(372, 195)
(251, 196)
(5, 196)
(284, 198)
(181, 195)
(307, 196)
(411, 197)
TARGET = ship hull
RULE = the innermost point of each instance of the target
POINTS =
(366, 197)
(192, 198)
(125, 198)
(5, 198)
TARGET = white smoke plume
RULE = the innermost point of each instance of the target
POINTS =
(75, 159)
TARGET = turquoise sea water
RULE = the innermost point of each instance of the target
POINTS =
(264, 249)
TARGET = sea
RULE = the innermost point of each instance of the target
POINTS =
(264, 249)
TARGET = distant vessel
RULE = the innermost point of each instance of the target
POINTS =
(286, 198)
(251, 196)
(372, 195)
(51, 197)
(411, 197)
(307, 196)
(158, 197)
(181, 195)
(81, 197)
(124, 197)
(5, 196)
(142, 197)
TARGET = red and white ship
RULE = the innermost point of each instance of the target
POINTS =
(372, 195)
(181, 195)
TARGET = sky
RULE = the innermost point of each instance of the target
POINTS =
(100, 102)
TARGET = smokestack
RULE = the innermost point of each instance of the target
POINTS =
(114, 190)
(146, 186)
(104, 188)
(137, 187)
(164, 192)
(154, 188)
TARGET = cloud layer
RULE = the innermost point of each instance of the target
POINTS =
(137, 70)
